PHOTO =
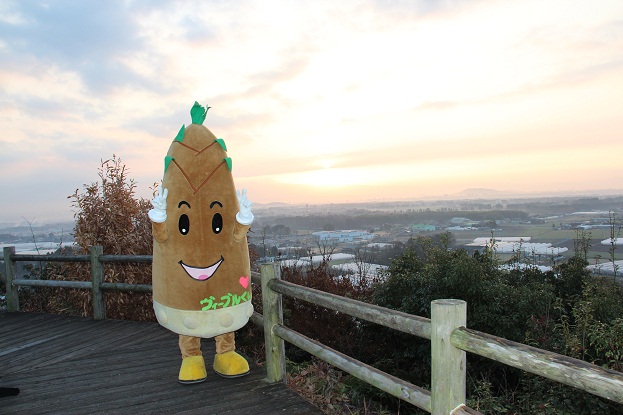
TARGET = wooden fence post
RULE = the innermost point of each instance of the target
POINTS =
(273, 315)
(12, 295)
(97, 277)
(447, 362)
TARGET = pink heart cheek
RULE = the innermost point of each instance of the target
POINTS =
(244, 281)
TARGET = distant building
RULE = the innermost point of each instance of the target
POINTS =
(420, 227)
(512, 244)
(379, 245)
(334, 259)
(343, 236)
(462, 221)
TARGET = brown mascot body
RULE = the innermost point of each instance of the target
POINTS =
(201, 272)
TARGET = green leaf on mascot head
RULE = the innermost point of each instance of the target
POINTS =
(180, 135)
(221, 143)
(198, 113)
(228, 161)
(167, 161)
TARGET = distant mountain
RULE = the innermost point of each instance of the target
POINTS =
(480, 193)
(483, 193)
(270, 204)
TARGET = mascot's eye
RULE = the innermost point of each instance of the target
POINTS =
(217, 223)
(184, 224)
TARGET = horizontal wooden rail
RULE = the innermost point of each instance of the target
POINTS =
(122, 259)
(120, 286)
(49, 258)
(97, 285)
(407, 323)
(113, 259)
(257, 319)
(81, 285)
(573, 372)
(386, 382)
(464, 410)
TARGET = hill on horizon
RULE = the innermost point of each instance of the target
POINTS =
(480, 192)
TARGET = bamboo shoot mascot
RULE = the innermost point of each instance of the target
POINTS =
(201, 275)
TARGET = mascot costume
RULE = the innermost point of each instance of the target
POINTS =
(201, 274)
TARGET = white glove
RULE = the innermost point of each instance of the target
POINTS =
(245, 216)
(159, 213)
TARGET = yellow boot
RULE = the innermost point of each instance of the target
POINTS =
(193, 370)
(230, 365)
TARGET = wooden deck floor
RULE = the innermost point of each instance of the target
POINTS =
(73, 365)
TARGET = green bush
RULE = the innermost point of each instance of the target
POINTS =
(565, 311)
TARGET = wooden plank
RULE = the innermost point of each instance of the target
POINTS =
(12, 294)
(121, 286)
(124, 259)
(569, 371)
(375, 377)
(397, 320)
(464, 410)
(448, 364)
(110, 366)
(273, 315)
(76, 285)
(97, 277)
(20, 339)
(50, 258)
(13, 331)
(64, 340)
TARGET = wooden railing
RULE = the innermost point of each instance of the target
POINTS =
(450, 339)
(97, 285)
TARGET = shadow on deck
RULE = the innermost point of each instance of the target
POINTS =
(75, 365)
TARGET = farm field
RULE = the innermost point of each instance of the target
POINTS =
(546, 233)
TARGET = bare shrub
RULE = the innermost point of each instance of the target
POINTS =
(335, 329)
(107, 213)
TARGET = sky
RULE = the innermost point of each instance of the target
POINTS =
(318, 101)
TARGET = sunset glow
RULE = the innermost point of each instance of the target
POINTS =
(327, 103)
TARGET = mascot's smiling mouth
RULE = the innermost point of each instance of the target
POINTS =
(201, 274)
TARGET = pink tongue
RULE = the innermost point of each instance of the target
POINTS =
(203, 277)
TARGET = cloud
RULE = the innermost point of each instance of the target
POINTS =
(364, 87)
(408, 10)
(90, 39)
(76, 31)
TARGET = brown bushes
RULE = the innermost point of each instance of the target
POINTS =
(107, 214)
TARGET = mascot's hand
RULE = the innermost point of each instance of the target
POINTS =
(245, 216)
(159, 213)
